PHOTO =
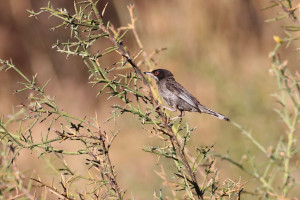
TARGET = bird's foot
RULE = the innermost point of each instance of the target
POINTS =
(172, 120)
(180, 120)
(158, 107)
(179, 116)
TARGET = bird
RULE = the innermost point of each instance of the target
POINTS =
(177, 97)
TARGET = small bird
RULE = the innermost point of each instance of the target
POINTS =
(177, 96)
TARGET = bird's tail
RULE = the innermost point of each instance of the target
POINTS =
(203, 109)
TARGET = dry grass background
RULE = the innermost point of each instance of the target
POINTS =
(216, 49)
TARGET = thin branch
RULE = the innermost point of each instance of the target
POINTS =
(289, 12)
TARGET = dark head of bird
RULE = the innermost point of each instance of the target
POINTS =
(159, 74)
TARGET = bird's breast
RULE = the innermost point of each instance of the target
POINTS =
(166, 94)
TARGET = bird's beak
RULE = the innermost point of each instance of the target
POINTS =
(148, 73)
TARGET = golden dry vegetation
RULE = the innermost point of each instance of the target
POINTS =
(219, 50)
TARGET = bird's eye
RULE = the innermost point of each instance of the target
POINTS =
(156, 73)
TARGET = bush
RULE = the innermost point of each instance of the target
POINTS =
(195, 175)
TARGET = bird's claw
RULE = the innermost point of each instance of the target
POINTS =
(157, 107)
(180, 120)
(174, 118)
(179, 116)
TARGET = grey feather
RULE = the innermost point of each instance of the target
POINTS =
(177, 96)
(181, 92)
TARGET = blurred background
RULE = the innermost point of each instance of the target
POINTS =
(218, 50)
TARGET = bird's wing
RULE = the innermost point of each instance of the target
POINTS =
(182, 93)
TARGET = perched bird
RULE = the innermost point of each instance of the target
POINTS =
(177, 96)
